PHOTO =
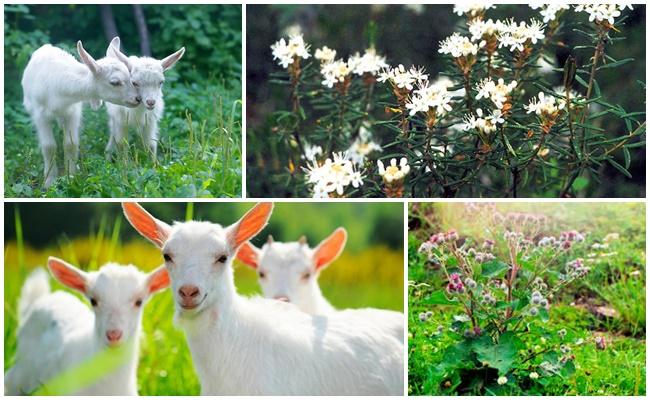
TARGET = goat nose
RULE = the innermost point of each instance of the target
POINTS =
(138, 99)
(151, 103)
(113, 335)
(188, 291)
(282, 298)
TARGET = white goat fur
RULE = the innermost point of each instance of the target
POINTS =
(54, 86)
(291, 271)
(256, 346)
(57, 331)
(147, 75)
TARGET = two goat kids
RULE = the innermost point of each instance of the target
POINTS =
(55, 85)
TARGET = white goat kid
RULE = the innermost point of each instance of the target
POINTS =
(147, 75)
(243, 346)
(290, 272)
(54, 86)
(58, 332)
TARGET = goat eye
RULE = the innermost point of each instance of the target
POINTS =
(167, 257)
(306, 276)
(138, 302)
(116, 83)
(135, 84)
(222, 259)
(93, 302)
(161, 83)
(262, 274)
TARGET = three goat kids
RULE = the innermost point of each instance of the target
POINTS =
(55, 85)
(290, 271)
(244, 346)
(56, 331)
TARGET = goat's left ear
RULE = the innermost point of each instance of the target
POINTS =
(330, 249)
(87, 59)
(113, 50)
(170, 60)
(157, 280)
(148, 226)
(249, 225)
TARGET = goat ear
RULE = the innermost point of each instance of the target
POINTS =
(87, 59)
(157, 280)
(249, 255)
(67, 274)
(114, 51)
(249, 225)
(151, 228)
(170, 60)
(330, 249)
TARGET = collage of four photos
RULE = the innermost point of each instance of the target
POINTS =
(325, 199)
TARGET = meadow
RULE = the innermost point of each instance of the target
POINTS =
(602, 315)
(368, 273)
(199, 153)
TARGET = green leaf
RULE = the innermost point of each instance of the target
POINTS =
(501, 355)
(628, 158)
(580, 183)
(619, 167)
(438, 298)
(493, 268)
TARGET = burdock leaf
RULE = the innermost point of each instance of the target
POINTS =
(500, 355)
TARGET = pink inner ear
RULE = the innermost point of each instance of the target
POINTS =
(253, 222)
(248, 255)
(159, 280)
(330, 248)
(144, 223)
(66, 275)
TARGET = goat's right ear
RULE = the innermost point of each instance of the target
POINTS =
(67, 274)
(87, 59)
(330, 248)
(249, 255)
(114, 51)
(249, 225)
(172, 59)
(151, 228)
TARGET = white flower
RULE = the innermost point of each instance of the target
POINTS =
(325, 54)
(292, 30)
(457, 46)
(403, 78)
(543, 104)
(334, 175)
(285, 52)
(497, 92)
(472, 9)
(361, 148)
(515, 36)
(370, 62)
(548, 11)
(415, 8)
(479, 28)
(502, 380)
(604, 11)
(334, 72)
(393, 172)
(533, 375)
(430, 96)
(483, 125)
(312, 151)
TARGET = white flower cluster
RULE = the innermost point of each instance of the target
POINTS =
(361, 147)
(603, 11)
(458, 46)
(487, 124)
(334, 72)
(545, 105)
(479, 28)
(286, 51)
(368, 63)
(548, 11)
(403, 78)
(393, 172)
(431, 96)
(334, 175)
(497, 92)
(312, 152)
(515, 36)
(472, 9)
(325, 54)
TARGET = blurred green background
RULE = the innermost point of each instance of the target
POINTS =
(369, 273)
(410, 35)
(200, 133)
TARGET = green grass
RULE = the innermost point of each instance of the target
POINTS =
(617, 281)
(372, 277)
(199, 154)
